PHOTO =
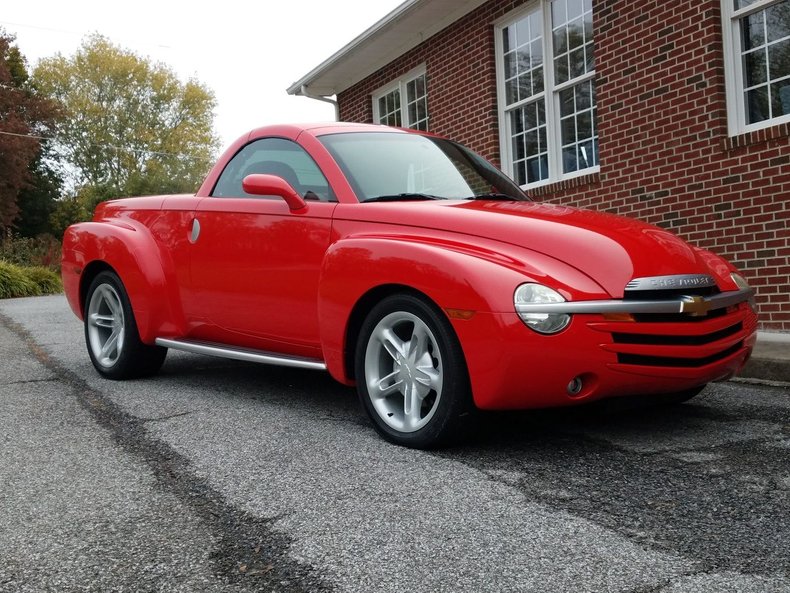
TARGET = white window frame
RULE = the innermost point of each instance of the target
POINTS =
(733, 69)
(553, 127)
(400, 86)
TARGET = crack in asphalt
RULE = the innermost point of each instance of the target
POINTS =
(250, 554)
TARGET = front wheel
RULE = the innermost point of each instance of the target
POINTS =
(411, 374)
(111, 332)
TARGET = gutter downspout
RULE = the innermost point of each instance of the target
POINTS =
(306, 93)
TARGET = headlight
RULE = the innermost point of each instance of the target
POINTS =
(544, 323)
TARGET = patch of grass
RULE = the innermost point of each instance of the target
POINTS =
(47, 281)
(15, 283)
(18, 281)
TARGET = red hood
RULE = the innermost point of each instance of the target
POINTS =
(609, 249)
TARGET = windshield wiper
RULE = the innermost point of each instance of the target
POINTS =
(409, 197)
(494, 196)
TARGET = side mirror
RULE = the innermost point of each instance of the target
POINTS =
(271, 185)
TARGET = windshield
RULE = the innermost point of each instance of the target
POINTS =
(390, 166)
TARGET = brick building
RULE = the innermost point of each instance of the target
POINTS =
(672, 111)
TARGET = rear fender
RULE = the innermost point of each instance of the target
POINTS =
(128, 248)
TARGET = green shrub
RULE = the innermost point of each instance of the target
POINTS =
(43, 251)
(47, 281)
(15, 283)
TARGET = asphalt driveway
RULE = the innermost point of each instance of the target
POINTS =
(224, 476)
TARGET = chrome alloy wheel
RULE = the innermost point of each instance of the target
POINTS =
(106, 327)
(403, 371)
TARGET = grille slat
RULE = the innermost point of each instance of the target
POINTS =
(661, 361)
(675, 340)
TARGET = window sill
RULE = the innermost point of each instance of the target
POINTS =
(756, 137)
(565, 184)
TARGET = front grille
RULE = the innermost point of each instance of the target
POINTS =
(677, 340)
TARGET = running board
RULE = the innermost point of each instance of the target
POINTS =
(245, 354)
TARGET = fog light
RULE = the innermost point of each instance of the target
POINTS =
(575, 386)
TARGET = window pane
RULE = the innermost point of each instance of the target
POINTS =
(777, 19)
(420, 83)
(511, 91)
(560, 40)
(757, 105)
(558, 14)
(575, 33)
(508, 39)
(413, 112)
(568, 129)
(537, 81)
(510, 65)
(753, 31)
(575, 9)
(561, 69)
(779, 59)
(780, 98)
(567, 104)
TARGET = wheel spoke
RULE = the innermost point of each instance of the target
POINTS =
(98, 320)
(111, 343)
(113, 304)
(418, 343)
(389, 385)
(430, 377)
(392, 343)
(412, 406)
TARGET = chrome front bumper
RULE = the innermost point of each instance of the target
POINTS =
(692, 305)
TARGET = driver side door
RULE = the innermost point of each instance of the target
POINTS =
(255, 263)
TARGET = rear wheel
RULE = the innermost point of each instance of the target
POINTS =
(111, 332)
(411, 374)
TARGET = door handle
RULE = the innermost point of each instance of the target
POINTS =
(193, 236)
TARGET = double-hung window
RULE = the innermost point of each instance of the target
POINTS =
(546, 82)
(403, 102)
(757, 52)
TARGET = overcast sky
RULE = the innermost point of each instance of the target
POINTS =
(246, 52)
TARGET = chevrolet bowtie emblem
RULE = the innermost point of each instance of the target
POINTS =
(695, 306)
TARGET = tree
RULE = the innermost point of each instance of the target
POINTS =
(24, 114)
(130, 126)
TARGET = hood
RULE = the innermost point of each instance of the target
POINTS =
(611, 250)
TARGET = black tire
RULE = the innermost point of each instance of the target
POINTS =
(424, 399)
(111, 334)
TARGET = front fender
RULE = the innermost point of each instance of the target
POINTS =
(131, 251)
(463, 280)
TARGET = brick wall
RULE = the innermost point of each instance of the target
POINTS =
(665, 154)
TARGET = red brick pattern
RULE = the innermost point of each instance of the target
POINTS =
(665, 153)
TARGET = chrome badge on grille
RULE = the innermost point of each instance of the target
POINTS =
(679, 281)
